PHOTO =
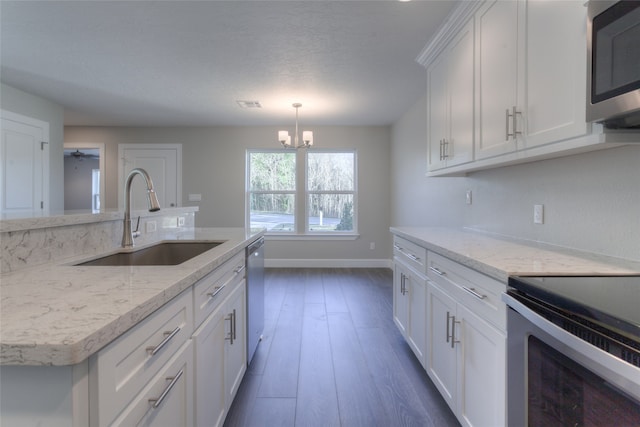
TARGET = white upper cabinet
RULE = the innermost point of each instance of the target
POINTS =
(497, 71)
(555, 72)
(507, 85)
(451, 91)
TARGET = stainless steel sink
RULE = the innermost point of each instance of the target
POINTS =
(165, 253)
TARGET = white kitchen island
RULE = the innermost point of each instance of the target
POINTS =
(61, 322)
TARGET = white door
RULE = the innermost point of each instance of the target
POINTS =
(163, 162)
(24, 165)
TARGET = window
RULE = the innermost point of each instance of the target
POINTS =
(302, 192)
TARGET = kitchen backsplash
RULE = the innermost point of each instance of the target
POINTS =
(29, 242)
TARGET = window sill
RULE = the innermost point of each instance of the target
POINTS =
(311, 236)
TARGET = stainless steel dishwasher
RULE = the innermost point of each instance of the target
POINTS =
(255, 296)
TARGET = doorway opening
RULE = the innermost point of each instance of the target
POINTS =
(83, 176)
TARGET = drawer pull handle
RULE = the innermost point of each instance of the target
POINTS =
(219, 289)
(413, 257)
(216, 291)
(169, 335)
(438, 271)
(398, 247)
(157, 402)
(473, 292)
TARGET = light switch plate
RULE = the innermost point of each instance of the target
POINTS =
(195, 197)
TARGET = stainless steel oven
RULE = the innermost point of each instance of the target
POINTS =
(573, 351)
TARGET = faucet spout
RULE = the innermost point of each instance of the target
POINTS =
(154, 205)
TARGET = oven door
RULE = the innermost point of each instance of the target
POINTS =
(555, 378)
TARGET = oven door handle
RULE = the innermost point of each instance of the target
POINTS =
(606, 365)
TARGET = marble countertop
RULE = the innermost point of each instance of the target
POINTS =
(60, 314)
(501, 257)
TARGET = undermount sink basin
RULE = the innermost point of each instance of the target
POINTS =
(165, 253)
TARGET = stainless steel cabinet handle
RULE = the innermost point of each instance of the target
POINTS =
(238, 270)
(413, 257)
(235, 325)
(445, 149)
(157, 402)
(402, 283)
(168, 336)
(473, 292)
(398, 247)
(512, 116)
(448, 328)
(438, 271)
(216, 291)
(506, 132)
(454, 341)
(230, 336)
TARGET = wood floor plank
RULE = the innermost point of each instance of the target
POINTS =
(270, 412)
(317, 403)
(358, 399)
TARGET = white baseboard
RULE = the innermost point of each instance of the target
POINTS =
(328, 263)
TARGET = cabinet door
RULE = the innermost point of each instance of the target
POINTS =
(438, 105)
(236, 348)
(400, 299)
(482, 371)
(459, 147)
(417, 301)
(441, 360)
(209, 342)
(497, 70)
(556, 71)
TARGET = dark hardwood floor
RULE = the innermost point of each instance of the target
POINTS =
(332, 356)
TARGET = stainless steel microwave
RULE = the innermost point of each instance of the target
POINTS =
(613, 69)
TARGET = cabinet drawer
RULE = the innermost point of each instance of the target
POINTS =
(479, 293)
(212, 289)
(126, 365)
(411, 254)
(168, 398)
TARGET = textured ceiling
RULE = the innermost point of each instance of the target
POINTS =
(186, 63)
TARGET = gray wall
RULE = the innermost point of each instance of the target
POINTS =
(20, 102)
(591, 201)
(214, 166)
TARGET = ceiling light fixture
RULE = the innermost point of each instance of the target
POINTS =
(285, 138)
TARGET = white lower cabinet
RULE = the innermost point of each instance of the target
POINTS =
(455, 322)
(466, 361)
(409, 297)
(220, 358)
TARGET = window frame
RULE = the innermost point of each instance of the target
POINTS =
(302, 195)
(308, 193)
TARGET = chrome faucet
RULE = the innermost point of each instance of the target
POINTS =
(127, 234)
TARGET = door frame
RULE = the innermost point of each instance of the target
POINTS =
(101, 161)
(46, 158)
(121, 171)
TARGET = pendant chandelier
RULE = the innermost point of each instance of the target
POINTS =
(285, 138)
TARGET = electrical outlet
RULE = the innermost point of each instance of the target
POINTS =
(372, 245)
(180, 221)
(538, 214)
(151, 226)
(469, 199)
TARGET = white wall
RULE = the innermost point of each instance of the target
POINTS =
(417, 200)
(26, 104)
(214, 166)
(591, 201)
